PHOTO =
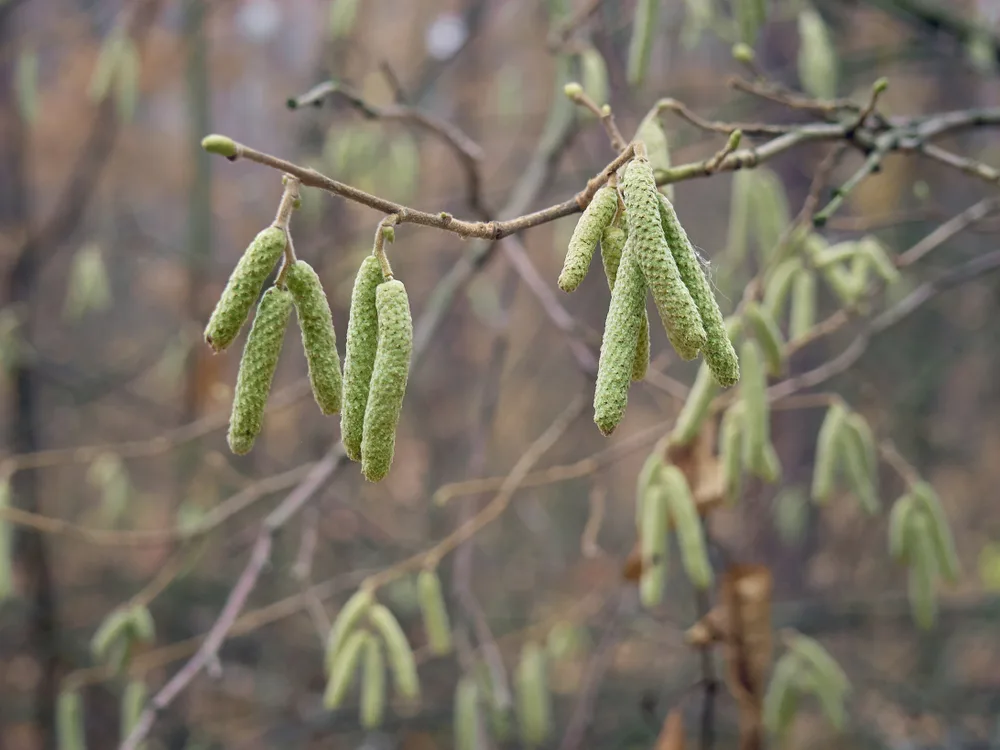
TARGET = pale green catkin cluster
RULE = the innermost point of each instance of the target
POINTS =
(319, 339)
(596, 217)
(244, 287)
(260, 360)
(359, 358)
(388, 382)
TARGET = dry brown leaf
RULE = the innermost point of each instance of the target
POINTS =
(672, 733)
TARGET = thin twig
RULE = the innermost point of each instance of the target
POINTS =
(955, 225)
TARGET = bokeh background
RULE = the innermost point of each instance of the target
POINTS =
(117, 233)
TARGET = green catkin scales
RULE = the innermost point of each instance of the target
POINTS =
(243, 287)
(534, 702)
(466, 714)
(319, 339)
(731, 451)
(589, 228)
(359, 357)
(435, 614)
(389, 376)
(612, 241)
(372, 684)
(803, 312)
(260, 360)
(768, 336)
(899, 523)
(718, 348)
(677, 309)
(828, 445)
(132, 703)
(618, 347)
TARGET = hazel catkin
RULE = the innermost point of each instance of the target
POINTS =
(596, 216)
(612, 241)
(359, 357)
(621, 335)
(389, 376)
(260, 360)
(372, 684)
(718, 348)
(677, 309)
(243, 287)
(319, 339)
(436, 622)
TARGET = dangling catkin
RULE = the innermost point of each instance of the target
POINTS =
(768, 336)
(819, 658)
(595, 218)
(695, 409)
(618, 347)
(142, 623)
(347, 619)
(244, 287)
(359, 357)
(466, 719)
(753, 396)
(731, 451)
(319, 339)
(372, 684)
(653, 544)
(647, 481)
(432, 607)
(899, 527)
(770, 468)
(944, 542)
(779, 282)
(612, 242)
(133, 701)
(858, 465)
(803, 309)
(690, 533)
(534, 703)
(115, 626)
(717, 347)
(388, 384)
(343, 669)
(260, 360)
(677, 309)
(70, 729)
(923, 570)
(828, 453)
(401, 659)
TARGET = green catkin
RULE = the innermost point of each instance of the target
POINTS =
(828, 453)
(923, 570)
(779, 283)
(359, 357)
(647, 482)
(6, 547)
(756, 415)
(260, 360)
(534, 703)
(432, 607)
(731, 451)
(677, 309)
(466, 714)
(802, 316)
(899, 527)
(133, 701)
(346, 621)
(389, 376)
(858, 469)
(345, 665)
(690, 533)
(244, 287)
(944, 542)
(781, 700)
(618, 347)
(401, 659)
(641, 46)
(595, 218)
(115, 627)
(372, 685)
(319, 339)
(818, 658)
(717, 348)
(612, 241)
(770, 468)
(695, 409)
(653, 545)
(142, 623)
(70, 730)
(768, 336)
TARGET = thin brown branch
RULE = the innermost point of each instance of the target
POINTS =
(955, 225)
(714, 126)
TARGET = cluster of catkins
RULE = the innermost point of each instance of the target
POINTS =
(379, 344)
(652, 252)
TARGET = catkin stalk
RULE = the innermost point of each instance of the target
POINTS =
(372, 685)
(534, 703)
(432, 607)
(319, 339)
(612, 242)
(243, 288)
(690, 533)
(401, 659)
(359, 357)
(718, 348)
(389, 376)
(753, 395)
(592, 223)
(260, 360)
(618, 347)
(695, 409)
(677, 309)
(133, 701)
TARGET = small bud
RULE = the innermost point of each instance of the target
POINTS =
(219, 144)
(389, 376)
(880, 85)
(359, 358)
(743, 52)
(573, 90)
(734, 140)
(389, 233)
(257, 367)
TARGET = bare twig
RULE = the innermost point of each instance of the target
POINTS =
(957, 224)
